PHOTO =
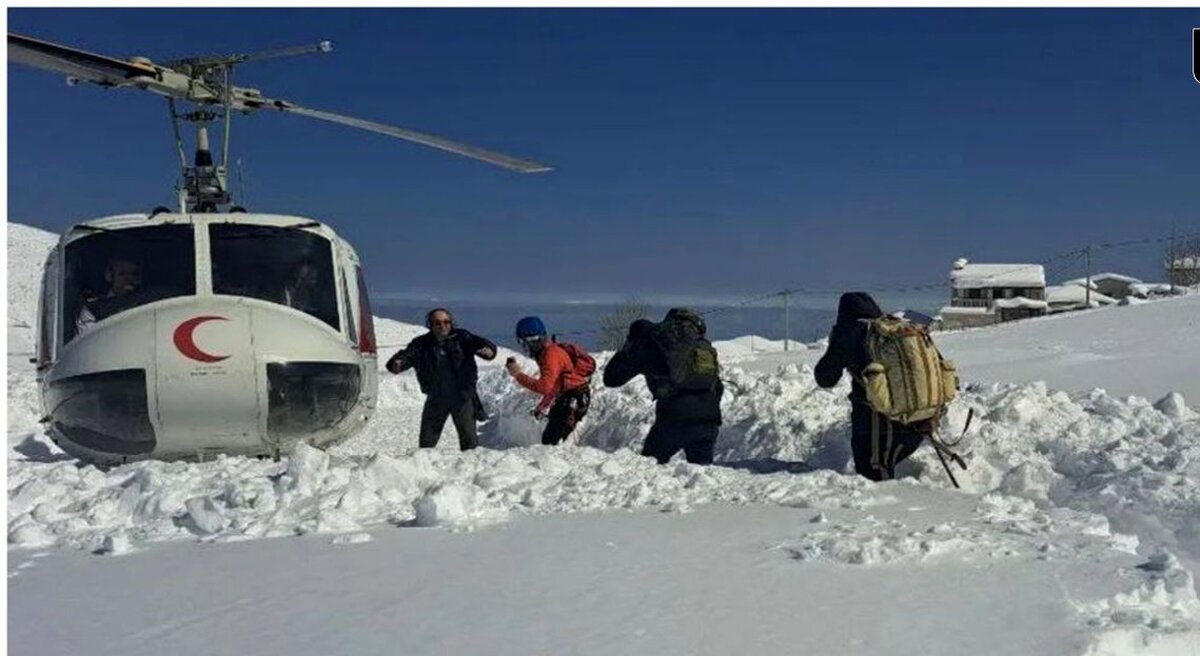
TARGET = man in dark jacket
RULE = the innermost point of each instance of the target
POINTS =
(444, 359)
(875, 459)
(688, 420)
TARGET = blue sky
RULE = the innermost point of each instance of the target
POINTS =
(705, 153)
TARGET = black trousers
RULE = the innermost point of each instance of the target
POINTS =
(876, 455)
(666, 438)
(433, 419)
(566, 412)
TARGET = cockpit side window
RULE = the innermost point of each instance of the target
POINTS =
(47, 311)
(114, 271)
(366, 320)
(288, 266)
(348, 315)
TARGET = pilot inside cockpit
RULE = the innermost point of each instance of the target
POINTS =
(124, 278)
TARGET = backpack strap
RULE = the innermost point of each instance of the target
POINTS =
(875, 440)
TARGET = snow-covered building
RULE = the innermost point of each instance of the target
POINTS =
(1112, 285)
(983, 294)
(1156, 290)
(1073, 295)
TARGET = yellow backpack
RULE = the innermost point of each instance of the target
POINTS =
(907, 379)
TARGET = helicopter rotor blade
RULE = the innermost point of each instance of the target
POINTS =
(498, 159)
(199, 87)
(73, 62)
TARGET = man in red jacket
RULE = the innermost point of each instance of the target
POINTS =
(562, 380)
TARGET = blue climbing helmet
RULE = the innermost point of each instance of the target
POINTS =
(531, 332)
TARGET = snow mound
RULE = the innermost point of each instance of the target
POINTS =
(61, 503)
(1128, 460)
(780, 416)
(1161, 616)
(1166, 600)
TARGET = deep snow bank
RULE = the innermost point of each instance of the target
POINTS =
(1135, 462)
(59, 503)
(27, 250)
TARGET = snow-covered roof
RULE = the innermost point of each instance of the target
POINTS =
(966, 275)
(954, 309)
(1129, 280)
(1119, 277)
(1069, 294)
(1148, 288)
(1020, 302)
(1080, 282)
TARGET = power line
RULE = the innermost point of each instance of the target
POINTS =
(1068, 259)
(1072, 257)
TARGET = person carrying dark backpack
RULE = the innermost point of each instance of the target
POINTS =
(681, 369)
(563, 382)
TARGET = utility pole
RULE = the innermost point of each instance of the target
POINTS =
(787, 325)
(1087, 304)
(1171, 262)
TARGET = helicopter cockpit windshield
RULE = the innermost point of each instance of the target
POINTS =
(288, 266)
(114, 271)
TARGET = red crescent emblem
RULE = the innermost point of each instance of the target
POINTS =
(185, 340)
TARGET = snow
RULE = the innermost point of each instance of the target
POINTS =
(1019, 302)
(1149, 350)
(1156, 289)
(27, 251)
(1071, 294)
(955, 309)
(724, 579)
(970, 276)
(751, 344)
(1079, 516)
(1100, 277)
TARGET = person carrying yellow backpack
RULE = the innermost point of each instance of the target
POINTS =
(900, 384)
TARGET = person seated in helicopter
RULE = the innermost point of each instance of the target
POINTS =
(300, 292)
(124, 278)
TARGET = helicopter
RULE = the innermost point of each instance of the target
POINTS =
(208, 329)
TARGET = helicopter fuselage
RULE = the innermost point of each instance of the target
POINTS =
(190, 335)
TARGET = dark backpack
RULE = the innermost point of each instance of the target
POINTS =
(581, 363)
(691, 359)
